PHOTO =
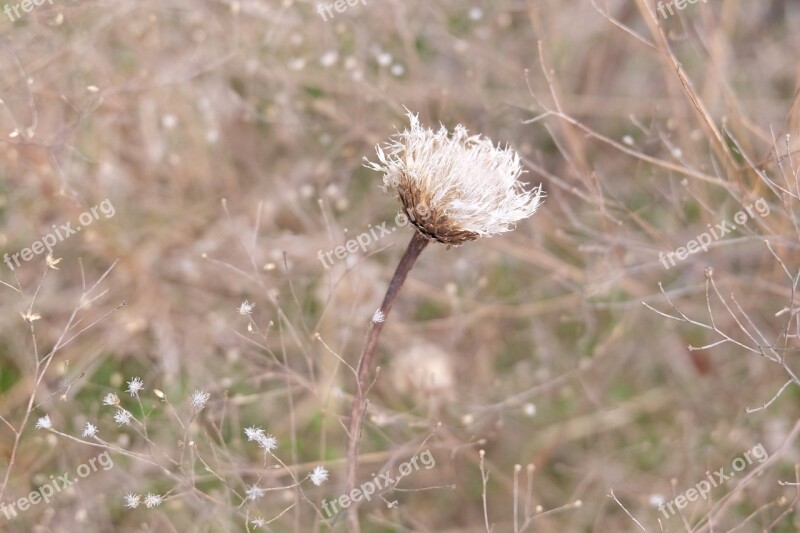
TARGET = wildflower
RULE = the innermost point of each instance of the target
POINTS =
(110, 399)
(52, 262)
(258, 522)
(132, 500)
(153, 500)
(134, 386)
(318, 476)
(44, 423)
(378, 317)
(455, 187)
(254, 433)
(267, 442)
(246, 308)
(123, 417)
(90, 430)
(199, 399)
(29, 317)
(255, 492)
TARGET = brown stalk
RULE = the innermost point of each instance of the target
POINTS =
(415, 247)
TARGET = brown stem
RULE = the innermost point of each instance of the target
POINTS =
(415, 247)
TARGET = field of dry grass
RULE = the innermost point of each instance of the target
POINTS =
(607, 366)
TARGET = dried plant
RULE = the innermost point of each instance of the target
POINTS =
(454, 188)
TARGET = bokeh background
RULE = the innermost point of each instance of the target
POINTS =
(229, 137)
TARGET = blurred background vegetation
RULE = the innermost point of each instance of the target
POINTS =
(229, 137)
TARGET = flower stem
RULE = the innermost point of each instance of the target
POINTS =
(415, 247)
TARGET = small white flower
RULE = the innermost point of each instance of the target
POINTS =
(378, 317)
(110, 399)
(329, 58)
(132, 500)
(199, 399)
(475, 13)
(153, 500)
(318, 476)
(255, 492)
(397, 70)
(246, 308)
(455, 187)
(267, 442)
(123, 417)
(44, 423)
(384, 59)
(135, 386)
(29, 317)
(254, 433)
(52, 262)
(90, 430)
(258, 522)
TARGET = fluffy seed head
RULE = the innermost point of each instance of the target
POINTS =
(44, 423)
(132, 500)
(255, 492)
(153, 500)
(455, 187)
(110, 399)
(123, 417)
(199, 399)
(135, 386)
(318, 475)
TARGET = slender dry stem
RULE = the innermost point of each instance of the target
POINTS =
(415, 247)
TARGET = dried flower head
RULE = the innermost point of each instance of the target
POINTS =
(319, 475)
(29, 317)
(264, 440)
(111, 399)
(246, 308)
(455, 187)
(90, 430)
(123, 417)
(132, 500)
(255, 492)
(135, 386)
(199, 399)
(52, 262)
(44, 423)
(153, 500)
